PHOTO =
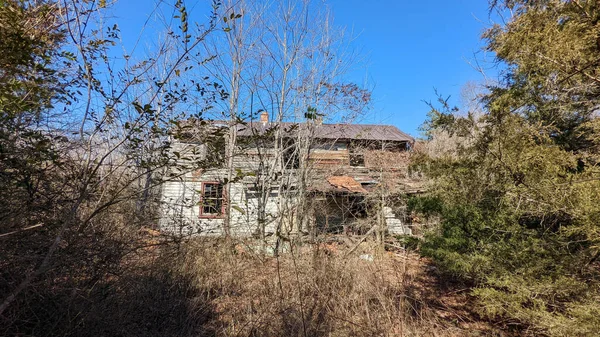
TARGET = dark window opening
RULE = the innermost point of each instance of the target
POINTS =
(357, 207)
(212, 201)
(215, 152)
(291, 159)
(357, 159)
(340, 213)
(356, 150)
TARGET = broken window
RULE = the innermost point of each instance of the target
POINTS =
(356, 153)
(357, 159)
(291, 159)
(211, 201)
(215, 151)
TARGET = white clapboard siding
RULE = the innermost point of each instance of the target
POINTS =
(180, 198)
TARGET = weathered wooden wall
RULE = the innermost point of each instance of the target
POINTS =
(181, 200)
(181, 196)
(329, 155)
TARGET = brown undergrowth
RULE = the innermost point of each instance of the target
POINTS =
(318, 291)
(141, 284)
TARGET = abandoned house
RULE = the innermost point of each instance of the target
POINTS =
(287, 178)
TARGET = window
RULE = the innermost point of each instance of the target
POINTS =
(357, 159)
(211, 200)
(291, 159)
(215, 151)
(356, 151)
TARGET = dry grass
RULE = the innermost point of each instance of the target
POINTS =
(135, 283)
(316, 291)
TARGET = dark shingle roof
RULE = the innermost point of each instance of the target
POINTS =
(336, 131)
(362, 131)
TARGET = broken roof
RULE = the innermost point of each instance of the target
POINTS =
(372, 132)
(346, 182)
(335, 131)
(361, 184)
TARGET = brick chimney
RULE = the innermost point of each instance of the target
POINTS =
(264, 117)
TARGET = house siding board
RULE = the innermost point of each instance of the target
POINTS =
(329, 157)
(395, 226)
(249, 159)
(386, 160)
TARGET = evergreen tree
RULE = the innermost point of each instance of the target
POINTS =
(34, 70)
(520, 198)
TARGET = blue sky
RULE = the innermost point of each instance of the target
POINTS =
(410, 47)
(415, 47)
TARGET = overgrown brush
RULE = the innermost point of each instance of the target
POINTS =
(123, 281)
(517, 193)
(310, 292)
(106, 280)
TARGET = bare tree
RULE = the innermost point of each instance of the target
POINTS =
(286, 60)
(115, 124)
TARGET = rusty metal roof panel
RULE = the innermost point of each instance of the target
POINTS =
(322, 131)
(347, 183)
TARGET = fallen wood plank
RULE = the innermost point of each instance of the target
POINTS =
(21, 230)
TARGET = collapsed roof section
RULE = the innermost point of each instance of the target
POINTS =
(356, 185)
(346, 182)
